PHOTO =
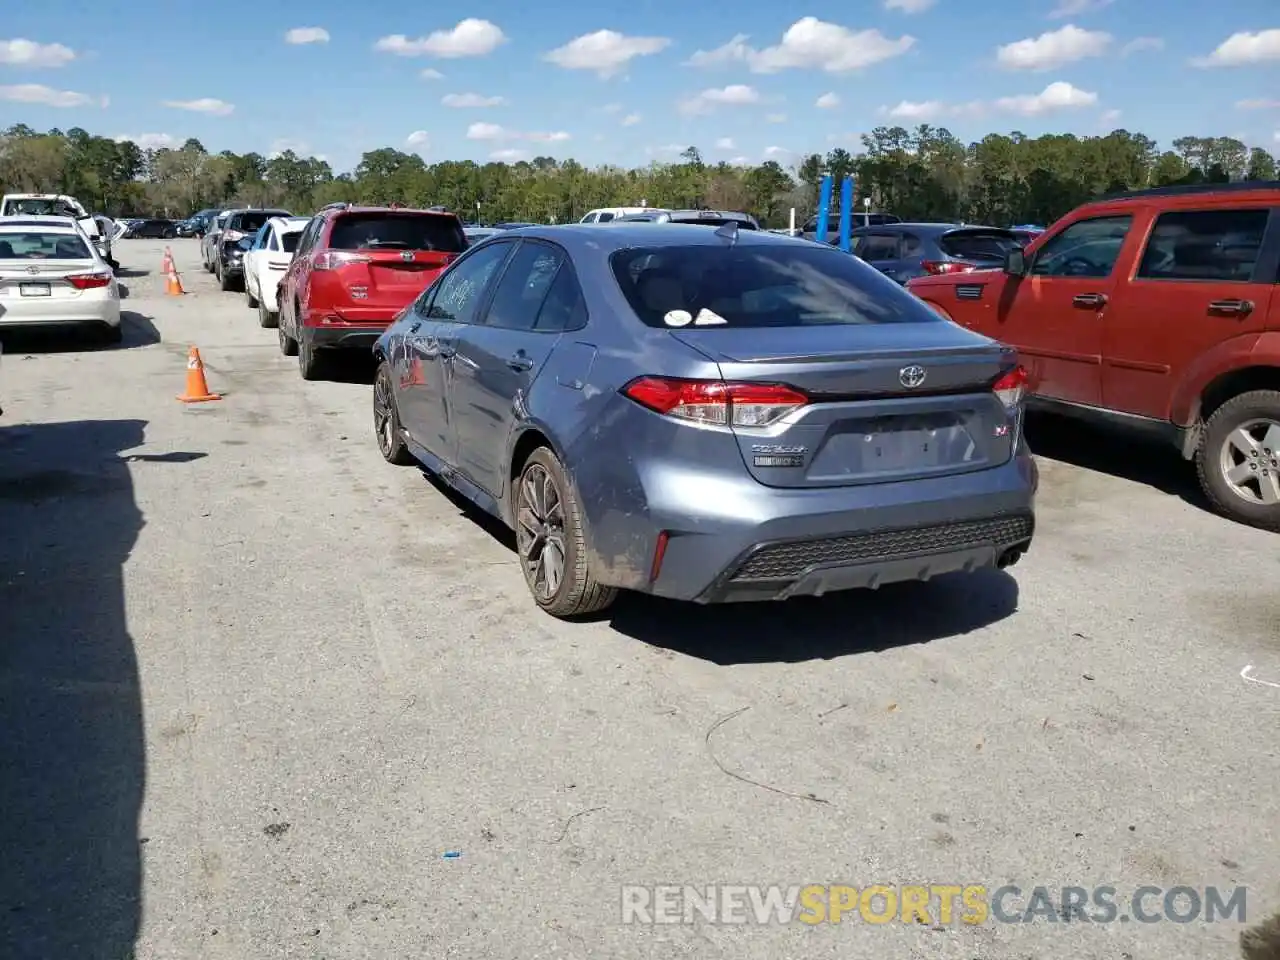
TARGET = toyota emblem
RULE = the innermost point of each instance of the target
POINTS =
(912, 376)
(33, 270)
(406, 256)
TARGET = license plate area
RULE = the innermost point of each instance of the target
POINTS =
(897, 445)
(35, 289)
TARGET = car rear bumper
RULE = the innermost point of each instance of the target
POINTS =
(344, 336)
(729, 538)
(102, 313)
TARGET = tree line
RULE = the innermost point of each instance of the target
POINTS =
(922, 174)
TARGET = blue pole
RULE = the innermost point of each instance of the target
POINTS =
(846, 214)
(824, 208)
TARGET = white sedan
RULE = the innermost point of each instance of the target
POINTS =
(265, 263)
(51, 275)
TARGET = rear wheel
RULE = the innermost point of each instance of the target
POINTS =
(386, 420)
(313, 364)
(225, 281)
(250, 299)
(1238, 461)
(267, 319)
(288, 345)
(549, 538)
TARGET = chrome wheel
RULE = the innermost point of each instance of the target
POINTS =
(1250, 461)
(540, 531)
(384, 421)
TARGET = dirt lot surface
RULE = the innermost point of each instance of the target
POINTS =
(255, 684)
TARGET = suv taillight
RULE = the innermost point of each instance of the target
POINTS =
(939, 267)
(333, 259)
(1011, 387)
(716, 401)
(88, 281)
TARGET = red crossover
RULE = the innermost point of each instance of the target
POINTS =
(354, 270)
(1158, 310)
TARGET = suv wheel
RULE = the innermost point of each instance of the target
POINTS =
(288, 345)
(313, 364)
(225, 282)
(1239, 459)
(267, 319)
(549, 539)
(250, 300)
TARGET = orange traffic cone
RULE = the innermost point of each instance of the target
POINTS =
(166, 262)
(173, 283)
(197, 385)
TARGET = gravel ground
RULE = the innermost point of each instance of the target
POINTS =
(255, 683)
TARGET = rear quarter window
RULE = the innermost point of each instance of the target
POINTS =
(977, 246)
(398, 231)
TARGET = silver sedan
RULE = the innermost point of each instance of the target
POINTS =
(51, 275)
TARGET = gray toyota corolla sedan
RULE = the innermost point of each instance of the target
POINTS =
(706, 414)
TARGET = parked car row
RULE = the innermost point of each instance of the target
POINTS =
(702, 414)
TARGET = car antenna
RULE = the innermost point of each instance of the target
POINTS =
(728, 231)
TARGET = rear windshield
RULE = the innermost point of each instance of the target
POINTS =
(42, 246)
(289, 241)
(973, 245)
(398, 231)
(759, 286)
(252, 221)
(39, 207)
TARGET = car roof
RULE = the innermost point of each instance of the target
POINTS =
(588, 238)
(352, 208)
(290, 221)
(40, 220)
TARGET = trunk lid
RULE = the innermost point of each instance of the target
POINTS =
(20, 283)
(392, 278)
(863, 424)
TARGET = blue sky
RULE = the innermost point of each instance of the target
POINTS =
(626, 83)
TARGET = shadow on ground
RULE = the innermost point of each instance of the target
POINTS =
(352, 366)
(856, 621)
(72, 761)
(1108, 450)
(139, 331)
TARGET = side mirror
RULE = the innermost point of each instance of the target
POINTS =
(1015, 262)
(245, 244)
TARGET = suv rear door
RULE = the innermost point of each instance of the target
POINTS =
(403, 250)
(1206, 276)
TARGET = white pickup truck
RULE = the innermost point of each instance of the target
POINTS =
(58, 205)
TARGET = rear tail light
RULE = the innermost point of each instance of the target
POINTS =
(939, 267)
(715, 401)
(1011, 387)
(232, 235)
(88, 281)
(334, 259)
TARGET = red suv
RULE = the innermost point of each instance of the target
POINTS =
(1159, 310)
(355, 268)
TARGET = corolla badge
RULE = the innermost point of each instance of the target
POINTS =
(406, 255)
(912, 376)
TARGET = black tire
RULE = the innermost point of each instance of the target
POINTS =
(225, 281)
(578, 593)
(386, 420)
(250, 299)
(313, 364)
(288, 345)
(1256, 406)
(267, 319)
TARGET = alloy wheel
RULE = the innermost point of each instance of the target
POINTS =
(384, 421)
(1250, 461)
(540, 531)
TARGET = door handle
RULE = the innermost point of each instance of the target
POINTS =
(520, 362)
(1240, 308)
(446, 352)
(1094, 300)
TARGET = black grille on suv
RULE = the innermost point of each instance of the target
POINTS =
(787, 561)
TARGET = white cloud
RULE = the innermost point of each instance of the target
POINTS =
(1053, 98)
(470, 101)
(487, 131)
(907, 110)
(301, 35)
(631, 119)
(909, 6)
(1110, 116)
(419, 141)
(736, 94)
(508, 156)
(607, 52)
(558, 136)
(1072, 8)
(470, 38)
(1257, 104)
(1243, 49)
(217, 108)
(49, 97)
(774, 153)
(1053, 49)
(1277, 136)
(430, 74)
(150, 141)
(28, 53)
(776, 118)
(1138, 44)
(724, 143)
(828, 101)
(809, 43)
